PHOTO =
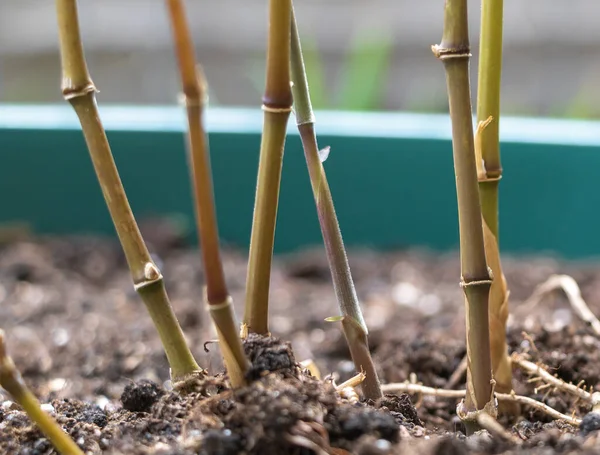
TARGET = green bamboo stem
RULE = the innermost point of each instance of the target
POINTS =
(217, 296)
(489, 175)
(454, 52)
(12, 382)
(353, 323)
(79, 90)
(488, 104)
(277, 102)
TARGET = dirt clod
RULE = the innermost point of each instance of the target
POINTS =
(141, 395)
(449, 445)
(590, 423)
(220, 442)
(268, 354)
(401, 407)
(350, 422)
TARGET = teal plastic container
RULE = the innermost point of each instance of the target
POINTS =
(391, 176)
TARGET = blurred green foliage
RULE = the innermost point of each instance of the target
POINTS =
(362, 82)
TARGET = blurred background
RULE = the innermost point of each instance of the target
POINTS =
(361, 55)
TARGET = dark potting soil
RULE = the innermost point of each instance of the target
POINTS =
(85, 345)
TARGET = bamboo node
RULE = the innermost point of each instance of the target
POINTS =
(219, 306)
(487, 179)
(446, 53)
(475, 283)
(276, 110)
(151, 276)
(69, 91)
(309, 121)
(192, 101)
(490, 408)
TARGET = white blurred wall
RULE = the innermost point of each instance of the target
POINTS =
(552, 52)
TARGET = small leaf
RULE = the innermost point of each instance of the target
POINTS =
(324, 153)
(334, 319)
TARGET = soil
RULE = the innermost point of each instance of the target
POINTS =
(85, 345)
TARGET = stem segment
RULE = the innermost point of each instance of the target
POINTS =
(454, 51)
(277, 102)
(217, 296)
(489, 175)
(79, 90)
(12, 382)
(488, 104)
(353, 323)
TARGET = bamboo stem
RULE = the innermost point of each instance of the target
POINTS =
(79, 90)
(12, 382)
(194, 90)
(488, 104)
(217, 296)
(489, 175)
(277, 102)
(454, 52)
(353, 323)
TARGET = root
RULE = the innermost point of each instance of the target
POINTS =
(569, 286)
(487, 422)
(539, 373)
(510, 397)
(406, 387)
(354, 381)
(458, 374)
(311, 366)
(304, 442)
(311, 436)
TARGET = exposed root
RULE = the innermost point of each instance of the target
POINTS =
(542, 375)
(458, 374)
(506, 397)
(311, 436)
(311, 366)
(304, 442)
(539, 406)
(354, 381)
(487, 422)
(569, 286)
(406, 387)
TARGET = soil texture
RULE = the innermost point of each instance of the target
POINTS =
(85, 345)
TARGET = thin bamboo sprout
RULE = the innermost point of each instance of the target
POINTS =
(489, 175)
(277, 105)
(353, 324)
(510, 397)
(499, 294)
(79, 90)
(216, 294)
(488, 107)
(12, 382)
(454, 52)
(194, 87)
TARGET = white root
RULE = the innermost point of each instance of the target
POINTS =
(487, 422)
(571, 289)
(541, 374)
(354, 381)
(545, 376)
(424, 390)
